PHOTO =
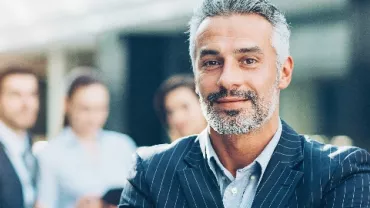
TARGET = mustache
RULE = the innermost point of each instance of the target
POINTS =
(223, 92)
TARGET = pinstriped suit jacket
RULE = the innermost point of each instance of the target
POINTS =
(301, 173)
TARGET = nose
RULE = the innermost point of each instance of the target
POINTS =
(231, 76)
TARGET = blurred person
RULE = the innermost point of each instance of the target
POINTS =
(247, 156)
(19, 106)
(84, 161)
(178, 107)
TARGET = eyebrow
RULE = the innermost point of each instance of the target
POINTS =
(206, 52)
(254, 49)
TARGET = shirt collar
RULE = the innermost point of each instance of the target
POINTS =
(70, 137)
(262, 159)
(12, 142)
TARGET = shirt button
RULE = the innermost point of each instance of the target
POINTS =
(234, 191)
(253, 177)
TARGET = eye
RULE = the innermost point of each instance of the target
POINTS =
(249, 61)
(210, 63)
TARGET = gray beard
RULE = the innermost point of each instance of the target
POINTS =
(240, 121)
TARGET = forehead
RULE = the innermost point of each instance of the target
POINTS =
(91, 94)
(231, 31)
(180, 95)
(20, 82)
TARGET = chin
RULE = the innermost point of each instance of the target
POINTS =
(25, 125)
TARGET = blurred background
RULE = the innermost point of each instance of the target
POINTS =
(139, 43)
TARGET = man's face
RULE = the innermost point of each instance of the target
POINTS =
(19, 101)
(236, 72)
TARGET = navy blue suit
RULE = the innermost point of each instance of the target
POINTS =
(11, 195)
(301, 173)
(11, 191)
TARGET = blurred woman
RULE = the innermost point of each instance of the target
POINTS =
(178, 107)
(84, 161)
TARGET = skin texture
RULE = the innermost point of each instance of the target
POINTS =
(19, 102)
(234, 57)
(184, 115)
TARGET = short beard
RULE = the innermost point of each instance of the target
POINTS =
(239, 121)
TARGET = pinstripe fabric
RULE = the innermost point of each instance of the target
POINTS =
(301, 173)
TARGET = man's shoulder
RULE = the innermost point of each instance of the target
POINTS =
(164, 154)
(327, 153)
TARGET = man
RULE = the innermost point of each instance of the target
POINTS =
(19, 105)
(247, 157)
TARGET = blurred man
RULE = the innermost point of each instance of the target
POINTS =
(19, 105)
(178, 107)
(247, 157)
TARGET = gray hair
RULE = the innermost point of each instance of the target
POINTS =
(211, 8)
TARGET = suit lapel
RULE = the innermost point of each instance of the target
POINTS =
(9, 177)
(280, 178)
(198, 182)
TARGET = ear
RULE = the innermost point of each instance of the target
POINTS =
(286, 73)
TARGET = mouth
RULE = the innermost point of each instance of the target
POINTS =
(230, 100)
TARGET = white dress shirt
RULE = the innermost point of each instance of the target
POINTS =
(239, 191)
(68, 172)
(15, 147)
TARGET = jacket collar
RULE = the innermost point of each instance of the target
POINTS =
(277, 183)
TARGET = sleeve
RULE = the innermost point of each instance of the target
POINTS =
(350, 182)
(48, 183)
(136, 191)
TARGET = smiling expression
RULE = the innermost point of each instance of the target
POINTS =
(236, 72)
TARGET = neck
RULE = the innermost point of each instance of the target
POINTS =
(238, 151)
(21, 133)
(86, 136)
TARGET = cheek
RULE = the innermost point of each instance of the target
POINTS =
(206, 84)
(12, 104)
(77, 117)
(102, 117)
(194, 111)
(98, 119)
(170, 121)
(36, 103)
(264, 81)
(33, 105)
